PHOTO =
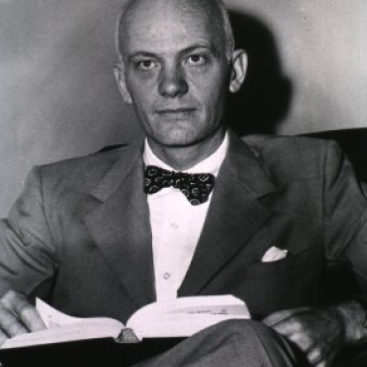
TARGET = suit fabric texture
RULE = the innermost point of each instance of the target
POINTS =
(79, 235)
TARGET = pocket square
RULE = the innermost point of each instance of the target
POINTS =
(274, 254)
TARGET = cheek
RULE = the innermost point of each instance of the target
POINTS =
(141, 88)
(140, 94)
(142, 101)
(212, 99)
(209, 87)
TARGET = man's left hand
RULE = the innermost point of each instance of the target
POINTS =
(319, 333)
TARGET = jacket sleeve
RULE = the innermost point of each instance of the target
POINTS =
(345, 213)
(28, 258)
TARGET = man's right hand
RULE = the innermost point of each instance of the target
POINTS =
(17, 316)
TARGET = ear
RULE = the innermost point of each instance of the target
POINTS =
(119, 72)
(238, 70)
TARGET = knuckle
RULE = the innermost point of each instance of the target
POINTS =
(5, 319)
(316, 356)
(317, 352)
(15, 329)
(309, 342)
(302, 341)
(298, 324)
(321, 364)
(16, 303)
(10, 298)
(10, 294)
(10, 324)
(10, 321)
(25, 312)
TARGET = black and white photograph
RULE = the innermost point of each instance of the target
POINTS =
(183, 183)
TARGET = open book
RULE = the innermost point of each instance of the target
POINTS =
(179, 317)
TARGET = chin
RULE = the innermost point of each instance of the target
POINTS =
(176, 141)
(183, 133)
(176, 137)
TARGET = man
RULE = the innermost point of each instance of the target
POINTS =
(86, 237)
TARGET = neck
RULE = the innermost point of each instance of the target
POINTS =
(182, 158)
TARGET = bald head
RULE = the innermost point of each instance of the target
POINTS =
(213, 13)
(177, 65)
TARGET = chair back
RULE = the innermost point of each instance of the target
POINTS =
(354, 144)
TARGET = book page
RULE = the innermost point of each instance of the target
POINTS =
(63, 328)
(214, 305)
(52, 317)
(179, 317)
(186, 315)
(90, 328)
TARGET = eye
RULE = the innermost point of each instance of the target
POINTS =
(196, 60)
(146, 65)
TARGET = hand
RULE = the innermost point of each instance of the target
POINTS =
(17, 316)
(319, 333)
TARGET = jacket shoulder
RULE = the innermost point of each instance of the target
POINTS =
(295, 157)
(85, 170)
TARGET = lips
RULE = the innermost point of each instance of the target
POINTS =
(175, 111)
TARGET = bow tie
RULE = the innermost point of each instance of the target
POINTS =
(196, 187)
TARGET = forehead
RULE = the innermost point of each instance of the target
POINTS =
(168, 25)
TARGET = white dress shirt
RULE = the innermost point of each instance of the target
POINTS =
(176, 224)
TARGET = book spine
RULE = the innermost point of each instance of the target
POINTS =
(127, 336)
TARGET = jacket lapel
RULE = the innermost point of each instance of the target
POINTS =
(119, 224)
(119, 221)
(234, 215)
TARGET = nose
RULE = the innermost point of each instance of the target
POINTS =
(172, 82)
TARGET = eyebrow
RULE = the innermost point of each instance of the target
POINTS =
(185, 51)
(198, 46)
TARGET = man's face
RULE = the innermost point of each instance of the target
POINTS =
(175, 71)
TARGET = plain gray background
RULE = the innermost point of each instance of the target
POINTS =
(57, 93)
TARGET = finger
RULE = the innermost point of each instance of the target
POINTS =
(276, 317)
(288, 327)
(315, 357)
(3, 338)
(282, 315)
(9, 323)
(303, 341)
(24, 310)
(321, 356)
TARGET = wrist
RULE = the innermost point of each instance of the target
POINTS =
(353, 315)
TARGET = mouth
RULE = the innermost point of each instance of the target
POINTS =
(183, 111)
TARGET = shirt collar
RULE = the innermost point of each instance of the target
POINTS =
(210, 164)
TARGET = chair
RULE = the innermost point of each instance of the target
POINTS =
(354, 144)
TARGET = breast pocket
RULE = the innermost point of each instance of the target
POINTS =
(292, 282)
(292, 263)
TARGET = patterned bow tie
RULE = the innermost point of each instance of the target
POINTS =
(196, 187)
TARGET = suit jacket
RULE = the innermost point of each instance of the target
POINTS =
(79, 235)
